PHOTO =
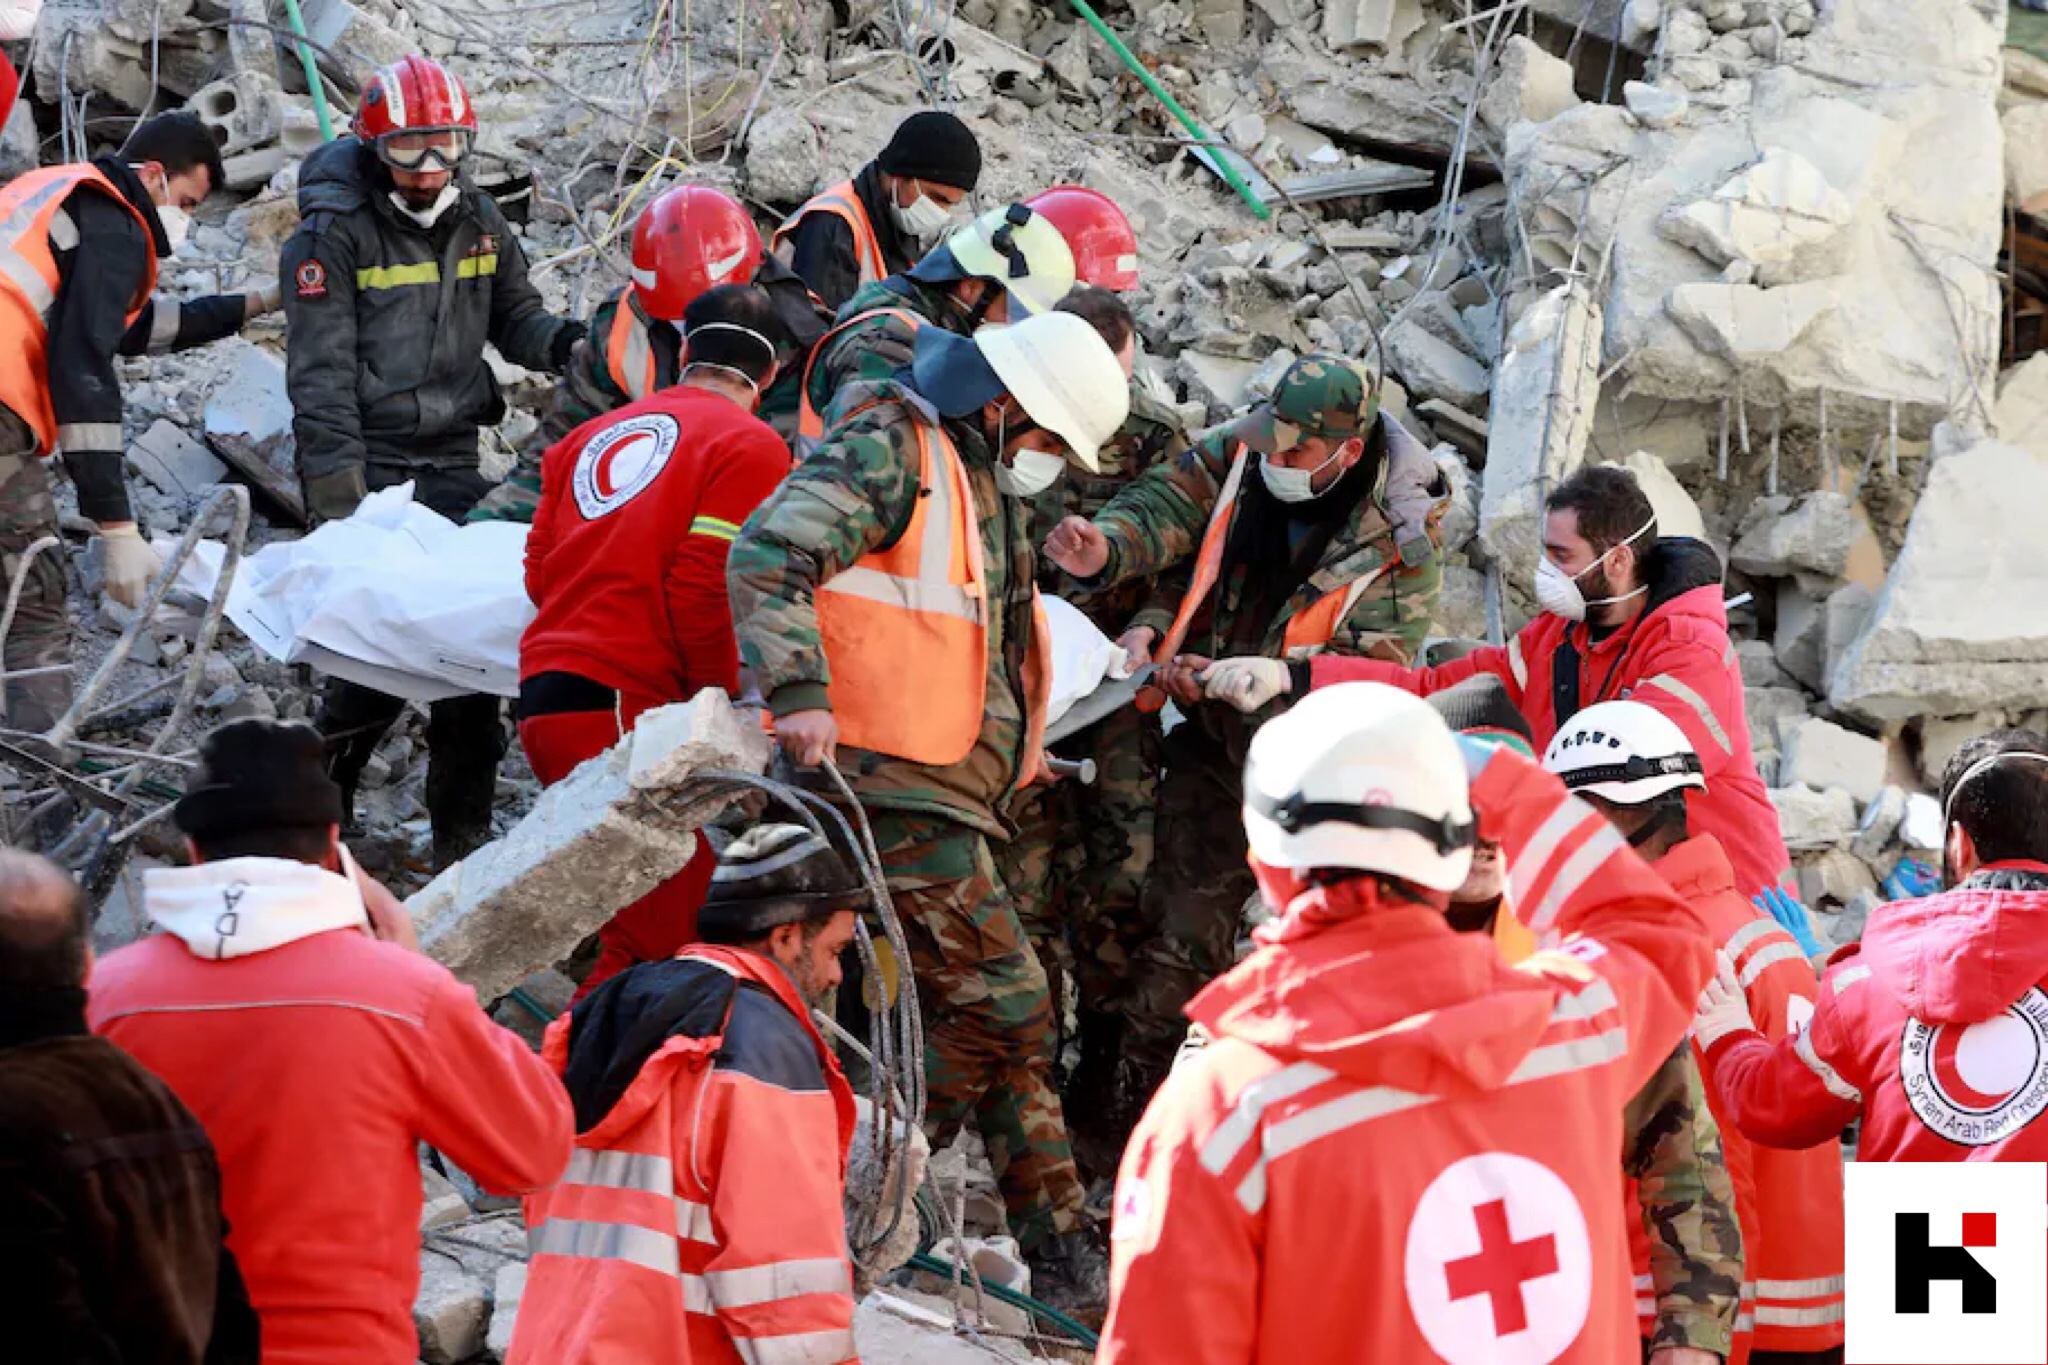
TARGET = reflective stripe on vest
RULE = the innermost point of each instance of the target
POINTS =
(30, 209)
(918, 609)
(810, 423)
(629, 349)
(842, 201)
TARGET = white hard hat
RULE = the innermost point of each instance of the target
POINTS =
(1063, 374)
(1625, 752)
(1362, 776)
(1020, 250)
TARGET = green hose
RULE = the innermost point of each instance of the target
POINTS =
(311, 68)
(938, 1265)
(1187, 120)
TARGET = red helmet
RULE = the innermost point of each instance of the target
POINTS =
(1105, 249)
(417, 115)
(690, 240)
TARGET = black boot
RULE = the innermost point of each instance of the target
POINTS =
(1090, 1098)
(1070, 1272)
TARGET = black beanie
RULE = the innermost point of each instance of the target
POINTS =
(1481, 705)
(258, 774)
(775, 874)
(933, 146)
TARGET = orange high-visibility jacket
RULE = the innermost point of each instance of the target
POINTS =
(842, 203)
(810, 423)
(629, 349)
(919, 609)
(29, 206)
(701, 1218)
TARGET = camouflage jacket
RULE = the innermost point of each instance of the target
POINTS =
(854, 494)
(877, 348)
(1150, 436)
(1157, 525)
(1673, 1151)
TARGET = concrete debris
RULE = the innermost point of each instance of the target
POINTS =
(1834, 876)
(595, 842)
(506, 1293)
(249, 424)
(1880, 826)
(896, 1327)
(1940, 737)
(174, 462)
(1775, 217)
(1962, 622)
(866, 1180)
(1810, 819)
(2021, 415)
(1746, 324)
(1528, 85)
(1823, 755)
(783, 158)
(998, 1261)
(450, 1312)
(1923, 829)
(1430, 364)
(1655, 106)
(1544, 394)
(1677, 513)
(441, 1204)
(1815, 536)
(1382, 24)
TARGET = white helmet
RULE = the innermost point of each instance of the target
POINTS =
(1013, 246)
(1063, 374)
(1624, 751)
(1364, 776)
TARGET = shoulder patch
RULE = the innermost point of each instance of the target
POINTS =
(619, 463)
(311, 279)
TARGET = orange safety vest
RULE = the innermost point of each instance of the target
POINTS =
(1308, 631)
(919, 609)
(629, 348)
(843, 203)
(810, 423)
(29, 206)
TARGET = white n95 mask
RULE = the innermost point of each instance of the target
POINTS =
(1032, 472)
(1557, 592)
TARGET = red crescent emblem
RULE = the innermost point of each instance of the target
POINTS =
(1950, 1075)
(601, 471)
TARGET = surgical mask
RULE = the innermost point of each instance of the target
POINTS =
(1030, 473)
(1557, 592)
(177, 226)
(1294, 485)
(426, 218)
(924, 218)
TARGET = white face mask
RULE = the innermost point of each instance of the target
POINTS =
(428, 217)
(1557, 592)
(924, 219)
(1032, 472)
(1294, 485)
(177, 226)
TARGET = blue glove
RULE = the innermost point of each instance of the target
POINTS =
(1785, 908)
(1911, 880)
(1478, 752)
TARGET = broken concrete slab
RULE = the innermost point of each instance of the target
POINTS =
(1428, 364)
(1745, 324)
(784, 157)
(595, 842)
(1822, 755)
(1382, 24)
(1677, 513)
(249, 424)
(1815, 536)
(1880, 825)
(867, 1182)
(449, 1312)
(1962, 622)
(174, 462)
(1834, 875)
(243, 112)
(1814, 819)
(1655, 106)
(1545, 389)
(2026, 152)
(1528, 84)
(506, 1294)
(2020, 416)
(1777, 216)
(1941, 736)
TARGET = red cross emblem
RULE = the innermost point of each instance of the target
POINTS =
(1501, 1267)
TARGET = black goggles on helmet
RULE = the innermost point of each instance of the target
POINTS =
(1294, 815)
(1636, 769)
(422, 149)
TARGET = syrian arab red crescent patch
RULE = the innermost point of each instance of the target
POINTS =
(312, 280)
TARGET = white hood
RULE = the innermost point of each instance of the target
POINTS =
(240, 906)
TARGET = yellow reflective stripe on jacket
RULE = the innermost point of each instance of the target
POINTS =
(424, 272)
(714, 527)
(473, 266)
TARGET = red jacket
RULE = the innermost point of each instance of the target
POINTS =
(318, 1066)
(626, 559)
(1964, 970)
(702, 1218)
(1675, 656)
(1398, 1148)
(1789, 1203)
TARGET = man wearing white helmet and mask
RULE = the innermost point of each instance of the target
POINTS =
(1009, 264)
(884, 599)
(1398, 1147)
(1635, 766)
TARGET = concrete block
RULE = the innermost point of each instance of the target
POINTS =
(1428, 364)
(174, 462)
(1745, 324)
(248, 170)
(450, 1311)
(1834, 875)
(506, 1294)
(1940, 737)
(1815, 536)
(1677, 513)
(784, 157)
(1382, 24)
(249, 424)
(1814, 819)
(1768, 709)
(1540, 420)
(1654, 106)
(1881, 821)
(1759, 664)
(245, 111)
(441, 1204)
(1779, 212)
(1528, 84)
(19, 150)
(1923, 828)
(1824, 755)
(1800, 639)
(593, 844)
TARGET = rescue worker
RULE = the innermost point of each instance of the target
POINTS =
(398, 275)
(847, 597)
(1626, 614)
(863, 230)
(691, 239)
(286, 1000)
(626, 569)
(1398, 1148)
(1685, 1239)
(1315, 516)
(1932, 979)
(79, 247)
(702, 1217)
(1636, 767)
(1010, 263)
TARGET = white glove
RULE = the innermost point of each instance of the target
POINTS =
(130, 561)
(1246, 684)
(259, 302)
(1723, 1007)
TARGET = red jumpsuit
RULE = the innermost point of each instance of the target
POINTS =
(1398, 1148)
(626, 568)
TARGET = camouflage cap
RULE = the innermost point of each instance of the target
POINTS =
(1324, 395)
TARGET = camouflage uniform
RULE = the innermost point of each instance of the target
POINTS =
(988, 1011)
(1673, 1153)
(1077, 865)
(1199, 880)
(876, 349)
(40, 636)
